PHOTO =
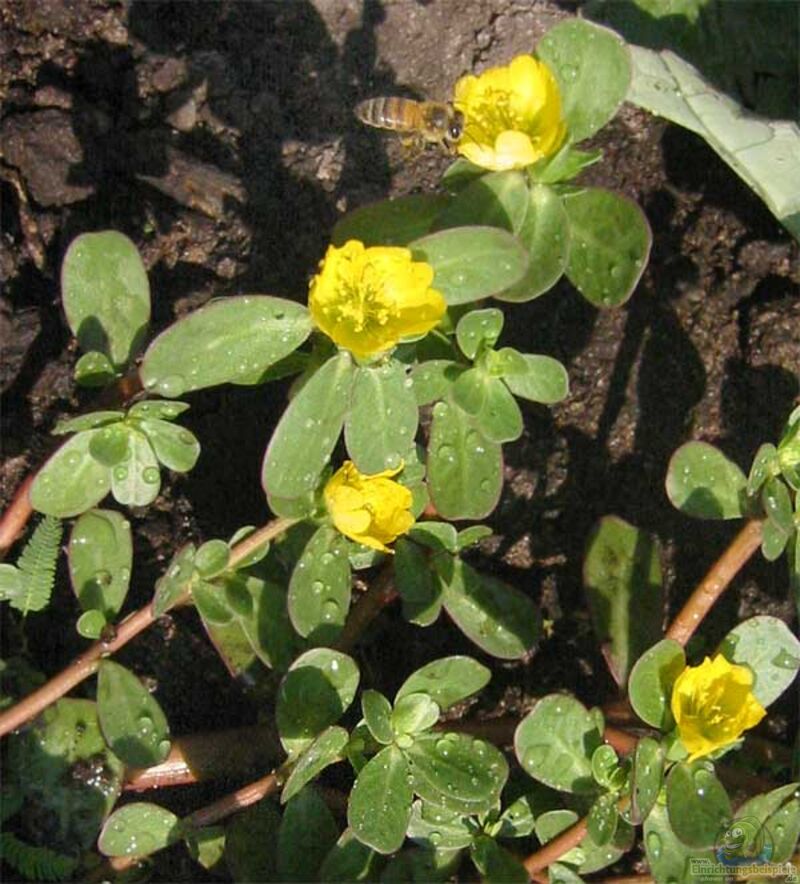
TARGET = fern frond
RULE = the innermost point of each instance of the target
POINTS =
(37, 565)
(35, 863)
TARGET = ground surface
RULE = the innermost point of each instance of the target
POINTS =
(220, 138)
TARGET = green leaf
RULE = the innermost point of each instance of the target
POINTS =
(496, 864)
(546, 380)
(555, 741)
(499, 199)
(761, 152)
(251, 843)
(308, 831)
(94, 369)
(377, 711)
(175, 447)
(703, 483)
(139, 829)
(212, 558)
(457, 771)
(545, 234)
(268, 628)
(593, 68)
(472, 535)
(517, 820)
(602, 819)
(497, 617)
(28, 586)
(778, 505)
(231, 643)
(319, 589)
(479, 329)
(697, 804)
(469, 391)
(307, 433)
(111, 444)
(87, 422)
(567, 164)
(465, 470)
(622, 578)
(648, 777)
(136, 480)
(100, 557)
(132, 721)
(763, 463)
(394, 222)
(232, 340)
(773, 541)
(327, 749)
(442, 829)
(771, 651)
(433, 379)
(414, 713)
(71, 481)
(382, 420)
(417, 585)
(34, 862)
(610, 243)
(314, 694)
(596, 857)
(211, 604)
(447, 681)
(500, 418)
(651, 681)
(91, 624)
(380, 801)
(349, 860)
(472, 263)
(672, 860)
(505, 361)
(157, 409)
(772, 822)
(106, 295)
(206, 846)
(175, 582)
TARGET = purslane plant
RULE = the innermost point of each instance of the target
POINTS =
(396, 327)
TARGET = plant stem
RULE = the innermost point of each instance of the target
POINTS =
(711, 587)
(15, 518)
(89, 661)
(374, 600)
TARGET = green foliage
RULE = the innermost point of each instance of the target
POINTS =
(761, 152)
(114, 451)
(106, 299)
(132, 722)
(100, 556)
(139, 829)
(27, 586)
(622, 578)
(651, 681)
(593, 69)
(396, 222)
(35, 863)
(697, 804)
(703, 483)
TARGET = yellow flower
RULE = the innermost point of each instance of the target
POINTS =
(373, 510)
(713, 705)
(512, 115)
(368, 299)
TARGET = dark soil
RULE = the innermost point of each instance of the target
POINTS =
(220, 138)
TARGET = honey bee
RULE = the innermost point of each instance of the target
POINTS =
(428, 122)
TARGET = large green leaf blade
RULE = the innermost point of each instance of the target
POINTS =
(139, 829)
(380, 802)
(622, 578)
(651, 681)
(610, 243)
(106, 295)
(465, 470)
(545, 234)
(472, 263)
(100, 558)
(382, 420)
(229, 341)
(327, 749)
(593, 68)
(136, 480)
(697, 804)
(308, 431)
(133, 723)
(72, 481)
(499, 199)
(702, 482)
(308, 831)
(447, 681)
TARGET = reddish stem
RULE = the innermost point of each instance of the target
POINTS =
(380, 593)
(15, 518)
(711, 587)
